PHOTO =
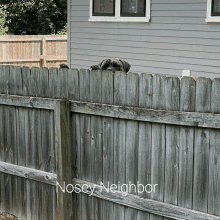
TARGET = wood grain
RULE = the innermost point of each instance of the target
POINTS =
(108, 143)
(158, 143)
(172, 94)
(195, 119)
(63, 157)
(201, 157)
(119, 138)
(214, 156)
(149, 205)
(145, 139)
(186, 149)
(132, 140)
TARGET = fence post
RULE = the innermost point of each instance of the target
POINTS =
(44, 52)
(63, 158)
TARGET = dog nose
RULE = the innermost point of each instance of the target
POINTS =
(111, 68)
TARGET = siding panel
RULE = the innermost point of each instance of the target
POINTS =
(177, 38)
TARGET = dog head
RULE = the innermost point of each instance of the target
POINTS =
(64, 66)
(115, 64)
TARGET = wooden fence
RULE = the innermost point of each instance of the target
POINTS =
(33, 50)
(85, 129)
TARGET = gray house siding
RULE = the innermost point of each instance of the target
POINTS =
(177, 38)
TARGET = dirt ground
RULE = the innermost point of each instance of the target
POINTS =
(7, 216)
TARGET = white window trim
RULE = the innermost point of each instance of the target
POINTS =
(117, 17)
(210, 18)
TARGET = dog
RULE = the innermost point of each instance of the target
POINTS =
(115, 64)
(64, 66)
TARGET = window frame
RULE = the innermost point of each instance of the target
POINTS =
(209, 15)
(118, 17)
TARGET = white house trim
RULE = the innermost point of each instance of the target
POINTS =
(117, 17)
(210, 18)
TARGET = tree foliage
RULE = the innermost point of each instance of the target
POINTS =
(35, 17)
(3, 29)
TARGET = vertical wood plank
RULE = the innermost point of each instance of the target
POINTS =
(17, 138)
(44, 148)
(172, 94)
(9, 79)
(73, 84)
(33, 153)
(5, 79)
(132, 141)
(119, 138)
(96, 158)
(158, 142)
(85, 123)
(201, 158)
(62, 85)
(35, 81)
(108, 142)
(145, 142)
(53, 80)
(185, 183)
(2, 141)
(1, 79)
(214, 156)
(63, 157)
(73, 94)
(25, 184)
(26, 80)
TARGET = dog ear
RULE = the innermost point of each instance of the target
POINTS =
(95, 67)
(105, 64)
(64, 66)
(126, 66)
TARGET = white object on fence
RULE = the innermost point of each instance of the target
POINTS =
(186, 73)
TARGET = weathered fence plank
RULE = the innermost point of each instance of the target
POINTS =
(149, 205)
(214, 156)
(73, 84)
(172, 94)
(145, 142)
(195, 119)
(53, 81)
(158, 142)
(201, 158)
(185, 184)
(73, 94)
(63, 157)
(96, 161)
(119, 138)
(131, 155)
(28, 173)
(108, 142)
(25, 140)
(85, 148)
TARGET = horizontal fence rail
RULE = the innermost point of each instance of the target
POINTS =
(152, 206)
(25, 172)
(195, 119)
(106, 193)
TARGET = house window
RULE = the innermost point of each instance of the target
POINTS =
(104, 7)
(133, 8)
(213, 11)
(215, 8)
(120, 10)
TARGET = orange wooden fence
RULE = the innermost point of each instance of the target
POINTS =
(33, 50)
